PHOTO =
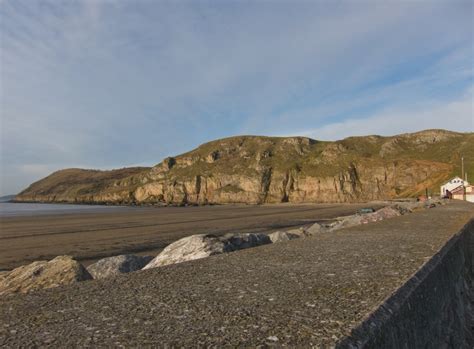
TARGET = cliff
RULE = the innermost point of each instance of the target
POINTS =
(256, 169)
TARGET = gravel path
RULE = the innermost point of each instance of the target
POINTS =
(299, 293)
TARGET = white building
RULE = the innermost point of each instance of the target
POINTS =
(463, 193)
(470, 193)
(452, 184)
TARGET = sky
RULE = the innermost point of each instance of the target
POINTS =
(114, 83)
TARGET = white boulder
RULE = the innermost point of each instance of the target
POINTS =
(202, 245)
(188, 249)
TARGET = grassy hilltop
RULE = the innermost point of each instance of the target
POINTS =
(257, 169)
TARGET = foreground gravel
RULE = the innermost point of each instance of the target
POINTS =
(299, 293)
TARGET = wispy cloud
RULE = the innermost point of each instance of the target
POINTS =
(110, 83)
(457, 115)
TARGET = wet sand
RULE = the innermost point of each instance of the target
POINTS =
(89, 236)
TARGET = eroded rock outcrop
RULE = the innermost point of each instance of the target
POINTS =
(62, 270)
(110, 266)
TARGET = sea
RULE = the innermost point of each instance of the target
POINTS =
(10, 209)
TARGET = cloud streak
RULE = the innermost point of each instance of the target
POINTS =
(456, 115)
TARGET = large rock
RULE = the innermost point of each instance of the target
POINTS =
(339, 223)
(3, 275)
(125, 263)
(302, 232)
(409, 206)
(62, 270)
(358, 219)
(348, 221)
(405, 207)
(282, 236)
(379, 215)
(243, 241)
(187, 249)
(202, 245)
(316, 228)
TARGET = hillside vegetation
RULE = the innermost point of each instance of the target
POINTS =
(257, 169)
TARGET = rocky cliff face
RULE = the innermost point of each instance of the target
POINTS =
(252, 169)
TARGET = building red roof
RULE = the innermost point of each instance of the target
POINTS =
(457, 190)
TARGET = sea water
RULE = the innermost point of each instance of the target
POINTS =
(8, 209)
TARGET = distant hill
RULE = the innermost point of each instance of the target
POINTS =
(6, 198)
(257, 169)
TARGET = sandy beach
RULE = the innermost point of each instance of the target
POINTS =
(89, 236)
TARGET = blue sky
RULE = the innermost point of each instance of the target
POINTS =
(107, 84)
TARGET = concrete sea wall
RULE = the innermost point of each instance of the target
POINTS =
(434, 309)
